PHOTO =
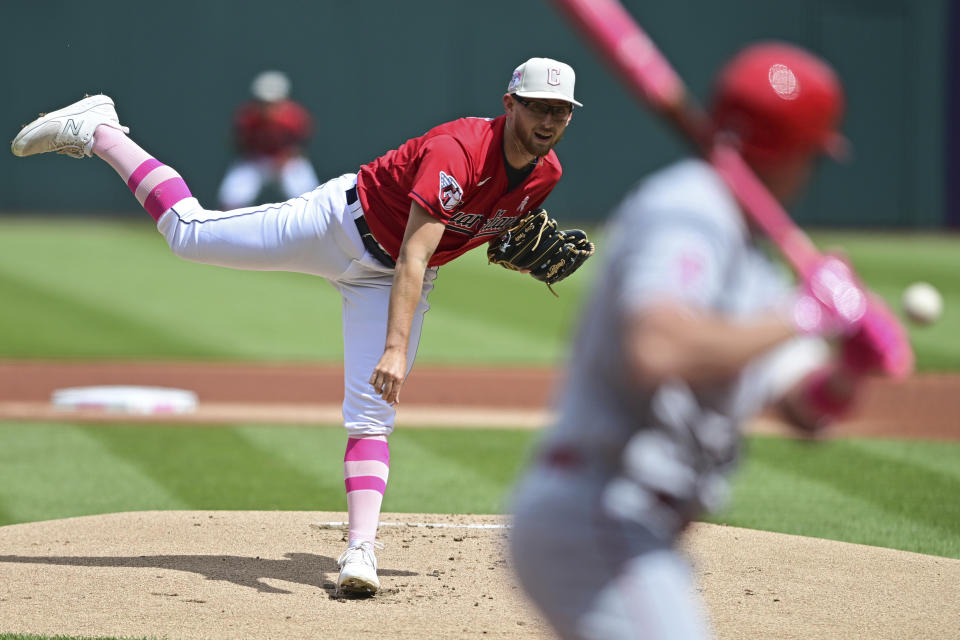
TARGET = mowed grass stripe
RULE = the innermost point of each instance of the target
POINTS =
(57, 471)
(838, 490)
(498, 457)
(314, 452)
(256, 315)
(212, 468)
(934, 456)
(468, 309)
(419, 479)
(888, 484)
(481, 313)
(453, 471)
(127, 272)
(479, 340)
(767, 499)
(105, 333)
(865, 491)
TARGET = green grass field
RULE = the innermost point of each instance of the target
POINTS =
(892, 493)
(81, 288)
(88, 288)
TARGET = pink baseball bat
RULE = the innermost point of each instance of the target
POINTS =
(648, 74)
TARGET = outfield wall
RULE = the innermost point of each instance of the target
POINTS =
(377, 73)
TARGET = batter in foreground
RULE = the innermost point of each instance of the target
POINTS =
(691, 329)
(377, 235)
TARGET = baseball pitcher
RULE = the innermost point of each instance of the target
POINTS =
(378, 235)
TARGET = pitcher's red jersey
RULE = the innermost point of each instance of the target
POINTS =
(456, 172)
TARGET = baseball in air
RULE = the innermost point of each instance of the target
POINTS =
(922, 303)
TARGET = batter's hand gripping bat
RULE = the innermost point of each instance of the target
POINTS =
(628, 49)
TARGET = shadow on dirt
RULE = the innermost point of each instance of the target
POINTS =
(303, 568)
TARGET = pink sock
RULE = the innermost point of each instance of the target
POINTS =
(156, 186)
(366, 465)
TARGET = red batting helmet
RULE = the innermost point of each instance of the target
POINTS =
(778, 99)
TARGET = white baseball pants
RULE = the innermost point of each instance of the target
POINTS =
(245, 178)
(316, 234)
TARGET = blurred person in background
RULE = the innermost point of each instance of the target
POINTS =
(269, 135)
(691, 329)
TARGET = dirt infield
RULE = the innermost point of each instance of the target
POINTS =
(271, 575)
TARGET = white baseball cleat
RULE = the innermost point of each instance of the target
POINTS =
(358, 571)
(69, 130)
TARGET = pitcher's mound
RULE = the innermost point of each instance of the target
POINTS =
(270, 575)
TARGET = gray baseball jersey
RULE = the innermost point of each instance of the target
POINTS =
(678, 236)
(624, 469)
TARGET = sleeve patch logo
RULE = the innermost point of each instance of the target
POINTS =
(450, 192)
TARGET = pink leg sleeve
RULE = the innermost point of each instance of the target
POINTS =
(156, 186)
(366, 465)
